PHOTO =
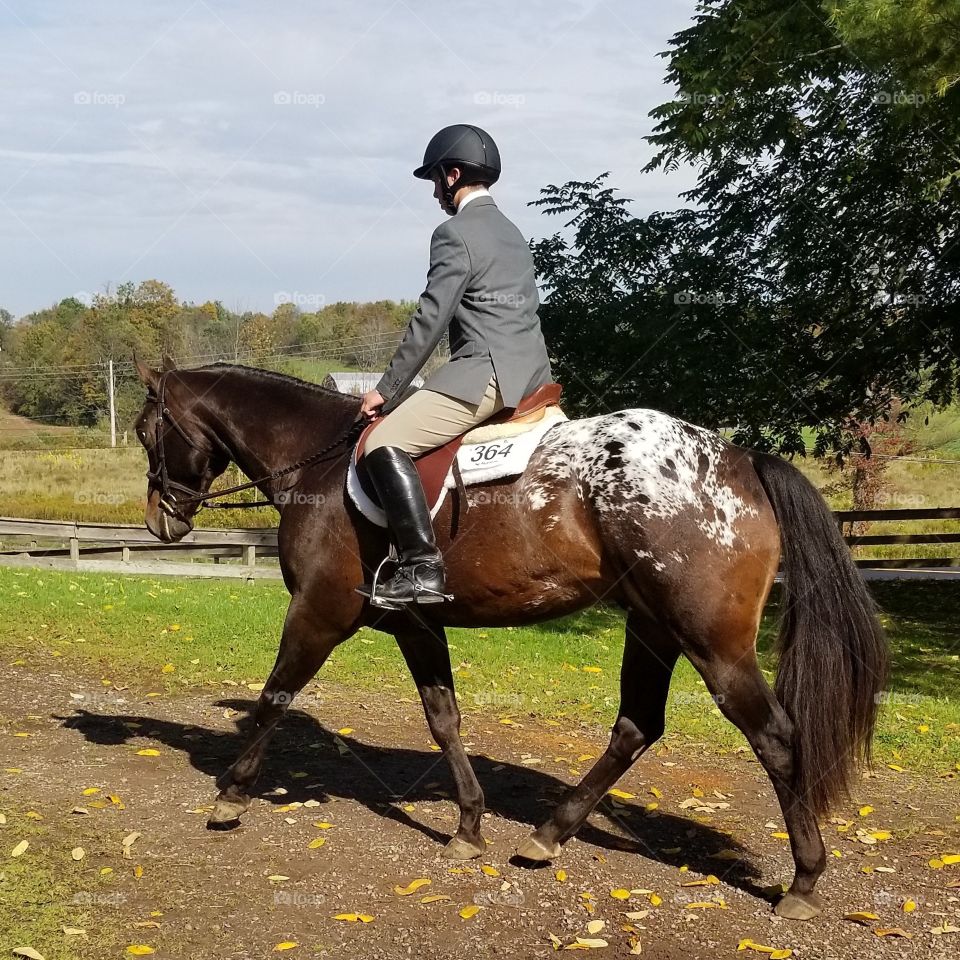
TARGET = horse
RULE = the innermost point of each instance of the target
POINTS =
(680, 528)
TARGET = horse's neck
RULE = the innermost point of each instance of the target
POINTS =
(274, 426)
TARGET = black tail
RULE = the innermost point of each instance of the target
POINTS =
(833, 653)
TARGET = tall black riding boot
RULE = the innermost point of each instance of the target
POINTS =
(420, 576)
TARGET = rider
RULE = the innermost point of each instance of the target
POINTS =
(481, 284)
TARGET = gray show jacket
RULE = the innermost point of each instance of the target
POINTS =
(481, 284)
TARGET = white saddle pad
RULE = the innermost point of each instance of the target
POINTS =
(478, 462)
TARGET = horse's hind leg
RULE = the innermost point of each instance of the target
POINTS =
(746, 699)
(649, 656)
(428, 657)
(306, 643)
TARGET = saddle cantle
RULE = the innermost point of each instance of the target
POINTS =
(434, 465)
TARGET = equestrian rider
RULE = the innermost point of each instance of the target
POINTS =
(481, 285)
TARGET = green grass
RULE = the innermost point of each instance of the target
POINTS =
(38, 891)
(176, 635)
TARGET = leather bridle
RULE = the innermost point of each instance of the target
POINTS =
(173, 506)
(168, 502)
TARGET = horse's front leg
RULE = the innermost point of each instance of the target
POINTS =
(425, 650)
(304, 646)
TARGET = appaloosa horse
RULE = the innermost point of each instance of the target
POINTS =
(681, 529)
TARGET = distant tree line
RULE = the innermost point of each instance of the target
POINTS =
(52, 362)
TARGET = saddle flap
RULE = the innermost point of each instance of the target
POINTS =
(432, 466)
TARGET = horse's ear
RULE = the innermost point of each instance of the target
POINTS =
(168, 363)
(148, 376)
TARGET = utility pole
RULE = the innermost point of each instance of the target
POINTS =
(113, 411)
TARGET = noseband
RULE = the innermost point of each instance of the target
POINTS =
(173, 507)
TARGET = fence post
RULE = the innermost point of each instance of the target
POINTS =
(249, 555)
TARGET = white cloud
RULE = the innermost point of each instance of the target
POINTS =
(233, 149)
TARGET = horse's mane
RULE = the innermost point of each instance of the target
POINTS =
(259, 375)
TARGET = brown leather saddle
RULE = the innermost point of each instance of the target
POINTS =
(434, 465)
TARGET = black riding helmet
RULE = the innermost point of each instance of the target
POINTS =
(465, 146)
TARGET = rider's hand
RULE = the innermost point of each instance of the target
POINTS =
(371, 403)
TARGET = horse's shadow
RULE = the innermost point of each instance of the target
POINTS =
(313, 763)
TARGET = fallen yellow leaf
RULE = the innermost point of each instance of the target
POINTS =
(468, 912)
(620, 894)
(863, 917)
(285, 945)
(140, 949)
(773, 952)
(412, 887)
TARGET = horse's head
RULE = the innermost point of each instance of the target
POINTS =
(184, 455)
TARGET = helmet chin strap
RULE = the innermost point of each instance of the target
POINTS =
(448, 192)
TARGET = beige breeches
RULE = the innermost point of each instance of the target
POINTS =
(427, 419)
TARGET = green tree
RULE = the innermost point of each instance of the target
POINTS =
(919, 40)
(814, 278)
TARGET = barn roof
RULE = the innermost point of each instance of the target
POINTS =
(357, 383)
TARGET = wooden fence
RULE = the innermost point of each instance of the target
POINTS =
(251, 554)
(131, 548)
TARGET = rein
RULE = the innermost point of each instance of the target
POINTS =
(171, 505)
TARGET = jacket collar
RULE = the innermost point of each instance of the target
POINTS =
(484, 200)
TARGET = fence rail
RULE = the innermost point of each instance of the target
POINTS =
(250, 554)
(131, 548)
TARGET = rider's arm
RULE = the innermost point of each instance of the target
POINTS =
(446, 281)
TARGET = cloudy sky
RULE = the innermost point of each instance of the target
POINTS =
(249, 152)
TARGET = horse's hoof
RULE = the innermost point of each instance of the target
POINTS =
(796, 906)
(227, 813)
(532, 849)
(459, 849)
